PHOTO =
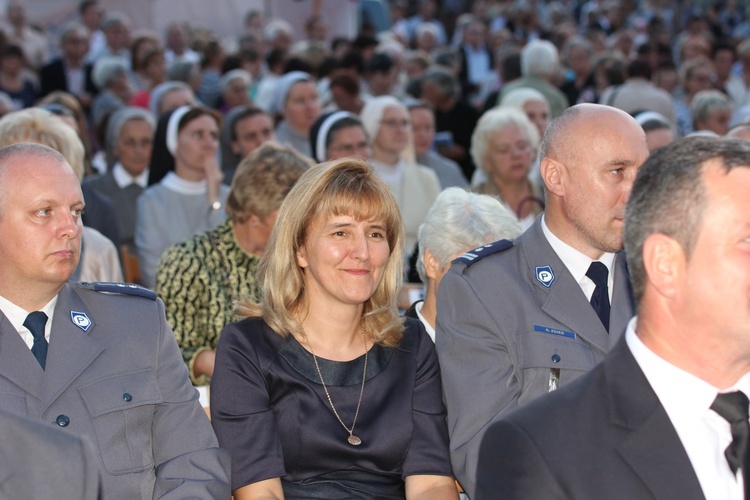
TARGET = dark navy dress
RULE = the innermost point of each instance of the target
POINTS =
(270, 411)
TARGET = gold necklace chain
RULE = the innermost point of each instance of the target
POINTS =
(352, 439)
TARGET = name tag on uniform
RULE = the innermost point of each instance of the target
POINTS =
(554, 331)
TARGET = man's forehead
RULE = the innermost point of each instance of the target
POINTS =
(25, 165)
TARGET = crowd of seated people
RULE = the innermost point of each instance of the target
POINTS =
(444, 129)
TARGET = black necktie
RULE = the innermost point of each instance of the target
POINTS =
(35, 323)
(598, 273)
(733, 406)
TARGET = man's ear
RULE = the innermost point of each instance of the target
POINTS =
(664, 261)
(554, 174)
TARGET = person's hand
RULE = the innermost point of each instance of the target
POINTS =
(454, 151)
(204, 363)
(214, 176)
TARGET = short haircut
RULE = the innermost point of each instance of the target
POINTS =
(639, 68)
(263, 180)
(459, 220)
(343, 187)
(183, 71)
(113, 19)
(73, 28)
(42, 127)
(122, 116)
(494, 120)
(519, 96)
(539, 58)
(446, 83)
(669, 196)
(85, 4)
(379, 63)
(235, 74)
(707, 102)
(107, 70)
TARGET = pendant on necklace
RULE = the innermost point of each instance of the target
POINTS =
(354, 440)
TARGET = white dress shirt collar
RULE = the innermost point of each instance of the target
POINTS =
(175, 183)
(17, 315)
(123, 179)
(578, 263)
(427, 326)
(687, 400)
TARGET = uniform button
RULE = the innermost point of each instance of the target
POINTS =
(62, 420)
(555, 358)
(127, 397)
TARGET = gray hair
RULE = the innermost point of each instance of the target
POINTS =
(73, 28)
(669, 196)
(158, 93)
(235, 74)
(120, 118)
(461, 220)
(275, 27)
(519, 96)
(183, 71)
(443, 79)
(107, 70)
(706, 102)
(494, 120)
(576, 42)
(115, 19)
(539, 58)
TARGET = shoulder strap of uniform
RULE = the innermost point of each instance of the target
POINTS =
(121, 288)
(477, 254)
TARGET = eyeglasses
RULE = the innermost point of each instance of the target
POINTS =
(396, 123)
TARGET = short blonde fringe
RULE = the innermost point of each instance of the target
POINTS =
(342, 187)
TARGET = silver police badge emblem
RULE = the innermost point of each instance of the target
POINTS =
(545, 276)
(80, 320)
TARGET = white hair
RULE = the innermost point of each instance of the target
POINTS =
(518, 97)
(275, 27)
(494, 120)
(461, 220)
(235, 74)
(539, 58)
(107, 70)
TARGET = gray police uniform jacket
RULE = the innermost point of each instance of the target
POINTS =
(39, 461)
(115, 375)
(513, 324)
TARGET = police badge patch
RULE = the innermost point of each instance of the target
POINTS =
(545, 276)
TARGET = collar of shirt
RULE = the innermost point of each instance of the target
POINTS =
(175, 183)
(123, 179)
(17, 315)
(687, 400)
(578, 263)
(427, 326)
(391, 174)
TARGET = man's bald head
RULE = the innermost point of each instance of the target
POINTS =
(563, 135)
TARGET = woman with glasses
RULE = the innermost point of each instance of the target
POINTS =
(415, 187)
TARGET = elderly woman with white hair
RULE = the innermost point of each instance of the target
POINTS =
(456, 223)
(711, 110)
(532, 102)
(130, 136)
(504, 145)
(235, 89)
(111, 77)
(415, 187)
(297, 102)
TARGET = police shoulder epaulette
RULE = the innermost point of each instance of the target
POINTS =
(121, 288)
(477, 254)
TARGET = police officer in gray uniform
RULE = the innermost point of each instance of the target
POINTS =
(95, 360)
(515, 319)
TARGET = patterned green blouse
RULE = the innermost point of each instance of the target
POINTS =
(200, 280)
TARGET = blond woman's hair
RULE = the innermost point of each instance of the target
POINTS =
(348, 186)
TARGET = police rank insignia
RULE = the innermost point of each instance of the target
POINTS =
(80, 320)
(545, 276)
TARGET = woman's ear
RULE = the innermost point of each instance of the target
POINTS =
(431, 265)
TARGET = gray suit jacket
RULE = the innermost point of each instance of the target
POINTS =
(39, 461)
(604, 436)
(504, 338)
(119, 380)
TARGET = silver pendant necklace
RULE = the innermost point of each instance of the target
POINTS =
(352, 439)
